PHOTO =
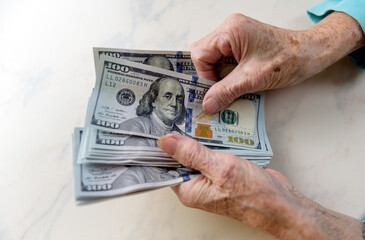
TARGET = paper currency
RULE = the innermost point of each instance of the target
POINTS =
(112, 156)
(93, 182)
(134, 104)
(140, 96)
(137, 99)
(177, 61)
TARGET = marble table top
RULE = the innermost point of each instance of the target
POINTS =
(46, 67)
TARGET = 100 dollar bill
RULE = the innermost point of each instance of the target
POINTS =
(97, 181)
(178, 61)
(125, 101)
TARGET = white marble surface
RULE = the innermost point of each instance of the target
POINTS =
(46, 70)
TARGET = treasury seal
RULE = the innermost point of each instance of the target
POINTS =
(126, 97)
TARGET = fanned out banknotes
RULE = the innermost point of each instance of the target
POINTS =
(140, 96)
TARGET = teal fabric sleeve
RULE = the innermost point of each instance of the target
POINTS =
(355, 8)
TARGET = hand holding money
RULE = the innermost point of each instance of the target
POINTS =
(268, 57)
(260, 197)
(228, 185)
(134, 104)
(231, 186)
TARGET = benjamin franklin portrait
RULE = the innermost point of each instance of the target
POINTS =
(159, 61)
(159, 112)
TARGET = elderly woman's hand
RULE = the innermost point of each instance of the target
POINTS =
(270, 57)
(261, 197)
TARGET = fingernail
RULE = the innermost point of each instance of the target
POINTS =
(210, 105)
(168, 144)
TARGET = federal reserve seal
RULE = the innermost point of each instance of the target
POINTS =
(126, 97)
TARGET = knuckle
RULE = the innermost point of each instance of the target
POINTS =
(235, 17)
(193, 47)
(236, 20)
(224, 43)
(195, 54)
(200, 50)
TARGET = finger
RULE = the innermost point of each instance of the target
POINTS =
(207, 51)
(190, 153)
(204, 56)
(224, 92)
(192, 192)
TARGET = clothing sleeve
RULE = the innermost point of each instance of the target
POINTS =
(355, 8)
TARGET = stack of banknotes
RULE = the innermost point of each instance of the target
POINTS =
(140, 96)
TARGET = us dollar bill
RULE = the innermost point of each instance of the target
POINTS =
(97, 181)
(178, 61)
(144, 155)
(136, 99)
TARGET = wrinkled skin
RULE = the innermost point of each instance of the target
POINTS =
(261, 197)
(270, 57)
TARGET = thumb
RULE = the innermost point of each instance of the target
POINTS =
(190, 153)
(224, 92)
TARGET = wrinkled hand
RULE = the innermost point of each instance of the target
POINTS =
(261, 197)
(270, 57)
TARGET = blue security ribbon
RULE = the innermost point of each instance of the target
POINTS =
(191, 95)
(194, 79)
(179, 66)
(188, 120)
(186, 177)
